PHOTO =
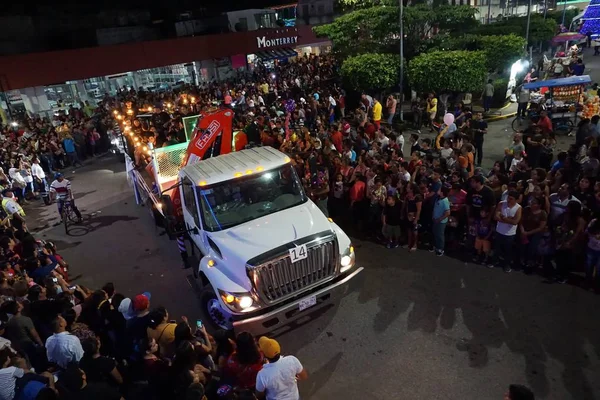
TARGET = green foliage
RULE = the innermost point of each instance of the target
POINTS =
(371, 71)
(369, 30)
(458, 71)
(540, 30)
(376, 29)
(557, 15)
(350, 5)
(500, 50)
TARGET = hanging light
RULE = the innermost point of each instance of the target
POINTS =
(149, 109)
(193, 100)
(115, 112)
(130, 112)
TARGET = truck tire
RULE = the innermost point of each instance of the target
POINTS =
(213, 315)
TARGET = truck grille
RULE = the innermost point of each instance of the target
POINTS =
(279, 278)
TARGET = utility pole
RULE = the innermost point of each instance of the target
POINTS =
(564, 12)
(545, 8)
(528, 20)
(401, 58)
(489, 10)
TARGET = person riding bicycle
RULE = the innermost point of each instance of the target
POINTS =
(61, 189)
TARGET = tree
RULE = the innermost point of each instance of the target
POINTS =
(540, 30)
(371, 71)
(500, 50)
(439, 71)
(376, 29)
(373, 29)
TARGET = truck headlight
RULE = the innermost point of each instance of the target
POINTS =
(348, 259)
(238, 302)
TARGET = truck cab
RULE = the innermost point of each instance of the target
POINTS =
(268, 254)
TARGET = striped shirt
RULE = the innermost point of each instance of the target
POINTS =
(8, 379)
(61, 188)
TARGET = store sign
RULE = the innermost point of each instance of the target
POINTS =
(263, 42)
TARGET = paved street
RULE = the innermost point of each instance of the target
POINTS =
(417, 327)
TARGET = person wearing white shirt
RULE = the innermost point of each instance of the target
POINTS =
(62, 348)
(278, 379)
(400, 143)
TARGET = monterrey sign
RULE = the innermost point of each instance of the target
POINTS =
(264, 42)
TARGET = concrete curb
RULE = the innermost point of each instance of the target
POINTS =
(500, 117)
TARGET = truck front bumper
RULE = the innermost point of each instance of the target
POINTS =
(273, 319)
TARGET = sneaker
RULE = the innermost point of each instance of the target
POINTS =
(395, 245)
(432, 249)
(507, 270)
(389, 245)
(490, 265)
(561, 281)
(439, 253)
(412, 249)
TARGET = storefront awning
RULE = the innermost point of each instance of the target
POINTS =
(267, 55)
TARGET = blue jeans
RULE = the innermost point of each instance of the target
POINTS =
(592, 262)
(439, 235)
(390, 119)
(529, 251)
(503, 246)
(73, 158)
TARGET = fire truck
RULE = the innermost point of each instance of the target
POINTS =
(267, 254)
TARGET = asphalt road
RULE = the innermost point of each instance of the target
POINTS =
(416, 326)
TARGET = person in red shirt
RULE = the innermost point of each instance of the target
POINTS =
(243, 364)
(545, 122)
(337, 138)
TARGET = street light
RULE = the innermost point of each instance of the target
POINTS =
(401, 58)
(528, 21)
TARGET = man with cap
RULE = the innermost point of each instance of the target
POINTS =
(278, 379)
(13, 209)
(136, 327)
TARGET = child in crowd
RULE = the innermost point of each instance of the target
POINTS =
(483, 234)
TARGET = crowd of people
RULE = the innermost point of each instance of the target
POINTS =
(419, 192)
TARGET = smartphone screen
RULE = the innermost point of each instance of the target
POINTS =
(73, 287)
(199, 323)
(55, 280)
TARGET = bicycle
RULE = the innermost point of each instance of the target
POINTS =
(560, 125)
(67, 214)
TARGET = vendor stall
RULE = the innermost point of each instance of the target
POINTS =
(562, 97)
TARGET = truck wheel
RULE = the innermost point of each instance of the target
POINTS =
(214, 315)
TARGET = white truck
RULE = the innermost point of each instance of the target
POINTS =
(268, 254)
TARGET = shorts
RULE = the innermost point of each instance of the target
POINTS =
(483, 244)
(391, 231)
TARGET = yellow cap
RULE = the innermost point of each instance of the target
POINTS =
(269, 347)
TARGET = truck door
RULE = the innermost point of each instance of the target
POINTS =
(190, 213)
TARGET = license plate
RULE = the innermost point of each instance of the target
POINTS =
(298, 253)
(307, 303)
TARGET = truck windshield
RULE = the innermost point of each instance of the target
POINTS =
(234, 202)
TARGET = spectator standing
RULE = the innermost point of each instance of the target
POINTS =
(480, 128)
(245, 362)
(377, 113)
(431, 110)
(392, 220)
(508, 216)
(278, 379)
(441, 212)
(390, 105)
(63, 348)
(487, 95)
(69, 145)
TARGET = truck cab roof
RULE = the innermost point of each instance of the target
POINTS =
(233, 165)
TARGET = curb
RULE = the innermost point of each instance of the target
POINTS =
(500, 117)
